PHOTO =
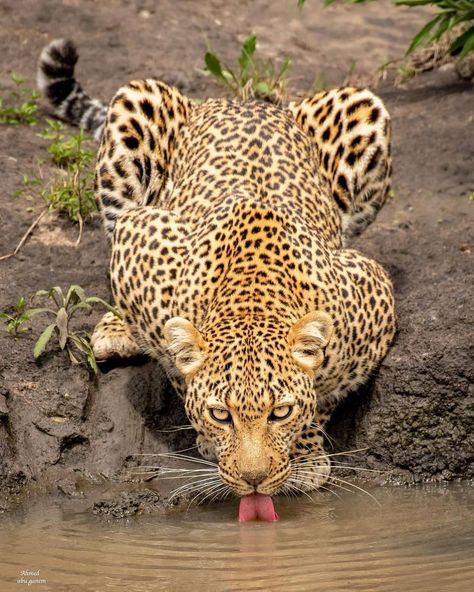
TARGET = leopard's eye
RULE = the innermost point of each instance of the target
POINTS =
(280, 413)
(220, 415)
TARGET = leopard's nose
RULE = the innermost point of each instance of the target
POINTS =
(254, 477)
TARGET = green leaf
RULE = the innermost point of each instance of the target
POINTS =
(214, 66)
(79, 306)
(468, 47)
(34, 311)
(61, 323)
(75, 293)
(109, 307)
(423, 33)
(245, 60)
(412, 2)
(55, 293)
(92, 362)
(80, 343)
(284, 68)
(43, 340)
(250, 45)
(84, 346)
(72, 357)
(448, 23)
(465, 43)
(20, 304)
(262, 88)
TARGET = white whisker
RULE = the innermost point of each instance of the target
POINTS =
(190, 487)
(337, 465)
(162, 453)
(292, 483)
(158, 475)
(333, 479)
(209, 489)
(175, 429)
(177, 456)
(175, 470)
(310, 484)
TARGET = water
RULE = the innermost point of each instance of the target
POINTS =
(417, 540)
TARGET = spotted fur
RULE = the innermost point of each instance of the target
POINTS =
(227, 221)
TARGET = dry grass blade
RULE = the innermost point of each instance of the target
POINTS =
(26, 235)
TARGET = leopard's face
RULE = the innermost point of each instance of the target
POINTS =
(250, 394)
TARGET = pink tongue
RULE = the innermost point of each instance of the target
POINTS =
(257, 506)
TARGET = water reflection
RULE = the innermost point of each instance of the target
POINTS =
(416, 540)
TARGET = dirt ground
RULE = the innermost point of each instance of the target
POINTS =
(61, 430)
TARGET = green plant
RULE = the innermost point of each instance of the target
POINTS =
(28, 182)
(71, 190)
(19, 315)
(65, 307)
(451, 14)
(21, 107)
(255, 77)
(67, 150)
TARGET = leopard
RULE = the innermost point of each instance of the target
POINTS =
(229, 223)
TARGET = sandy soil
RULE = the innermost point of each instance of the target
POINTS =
(58, 428)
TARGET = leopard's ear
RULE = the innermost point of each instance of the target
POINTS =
(308, 337)
(186, 344)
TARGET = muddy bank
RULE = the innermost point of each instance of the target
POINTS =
(60, 429)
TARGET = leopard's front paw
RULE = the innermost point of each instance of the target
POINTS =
(112, 339)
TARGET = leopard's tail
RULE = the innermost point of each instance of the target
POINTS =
(55, 79)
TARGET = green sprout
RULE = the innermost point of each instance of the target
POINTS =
(71, 191)
(254, 77)
(20, 107)
(19, 315)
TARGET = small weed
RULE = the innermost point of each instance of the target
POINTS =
(254, 77)
(28, 182)
(67, 150)
(21, 107)
(70, 190)
(65, 307)
(19, 315)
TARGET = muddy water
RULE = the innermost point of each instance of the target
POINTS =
(415, 540)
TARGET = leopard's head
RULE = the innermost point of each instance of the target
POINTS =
(250, 391)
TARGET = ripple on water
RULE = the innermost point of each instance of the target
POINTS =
(416, 540)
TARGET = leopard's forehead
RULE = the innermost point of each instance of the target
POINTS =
(250, 371)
